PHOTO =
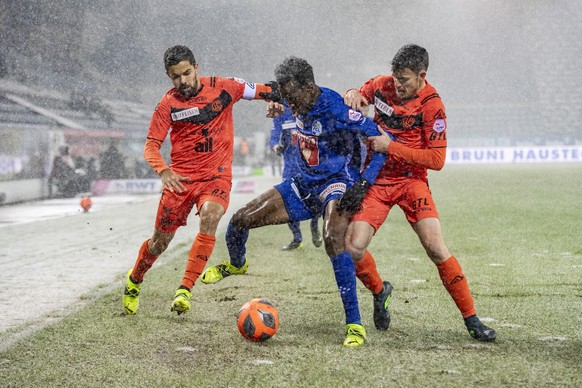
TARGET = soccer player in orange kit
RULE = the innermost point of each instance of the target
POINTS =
(198, 111)
(409, 108)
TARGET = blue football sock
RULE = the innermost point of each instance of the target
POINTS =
(314, 221)
(236, 240)
(345, 277)
(296, 230)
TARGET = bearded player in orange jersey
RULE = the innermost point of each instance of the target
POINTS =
(409, 108)
(198, 111)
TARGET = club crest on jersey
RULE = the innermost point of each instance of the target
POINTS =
(239, 80)
(316, 128)
(299, 123)
(383, 107)
(354, 115)
(184, 114)
(217, 106)
(439, 125)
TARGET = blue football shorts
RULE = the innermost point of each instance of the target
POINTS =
(303, 203)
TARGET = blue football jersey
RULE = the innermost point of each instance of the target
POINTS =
(281, 133)
(323, 140)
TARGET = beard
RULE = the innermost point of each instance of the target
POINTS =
(189, 90)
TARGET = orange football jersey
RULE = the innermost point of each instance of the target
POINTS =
(201, 128)
(418, 124)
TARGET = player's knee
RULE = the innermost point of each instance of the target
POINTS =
(157, 247)
(437, 253)
(356, 248)
(333, 245)
(356, 252)
(240, 219)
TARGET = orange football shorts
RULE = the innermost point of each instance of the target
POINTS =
(413, 196)
(174, 208)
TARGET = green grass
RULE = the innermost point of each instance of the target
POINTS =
(516, 230)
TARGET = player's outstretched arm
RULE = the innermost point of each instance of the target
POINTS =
(269, 91)
(355, 100)
(432, 158)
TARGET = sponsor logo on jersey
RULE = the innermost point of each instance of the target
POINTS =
(334, 188)
(207, 144)
(299, 123)
(354, 115)
(383, 107)
(288, 125)
(251, 85)
(184, 114)
(439, 125)
(204, 146)
(316, 128)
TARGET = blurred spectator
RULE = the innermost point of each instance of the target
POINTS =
(84, 185)
(112, 163)
(92, 169)
(63, 174)
(244, 151)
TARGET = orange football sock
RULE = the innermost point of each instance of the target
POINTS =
(456, 284)
(144, 262)
(368, 274)
(199, 254)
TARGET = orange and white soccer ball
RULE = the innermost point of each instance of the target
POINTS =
(258, 320)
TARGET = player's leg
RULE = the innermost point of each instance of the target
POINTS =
(212, 200)
(297, 242)
(173, 210)
(421, 212)
(267, 209)
(210, 214)
(334, 231)
(375, 208)
(316, 237)
(149, 251)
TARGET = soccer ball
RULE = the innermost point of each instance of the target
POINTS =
(258, 320)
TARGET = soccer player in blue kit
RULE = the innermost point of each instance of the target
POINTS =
(281, 143)
(324, 147)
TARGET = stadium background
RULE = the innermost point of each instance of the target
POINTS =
(89, 73)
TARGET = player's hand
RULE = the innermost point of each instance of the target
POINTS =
(278, 149)
(381, 143)
(353, 197)
(274, 94)
(173, 181)
(275, 109)
(355, 100)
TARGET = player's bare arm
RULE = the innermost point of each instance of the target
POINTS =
(355, 100)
